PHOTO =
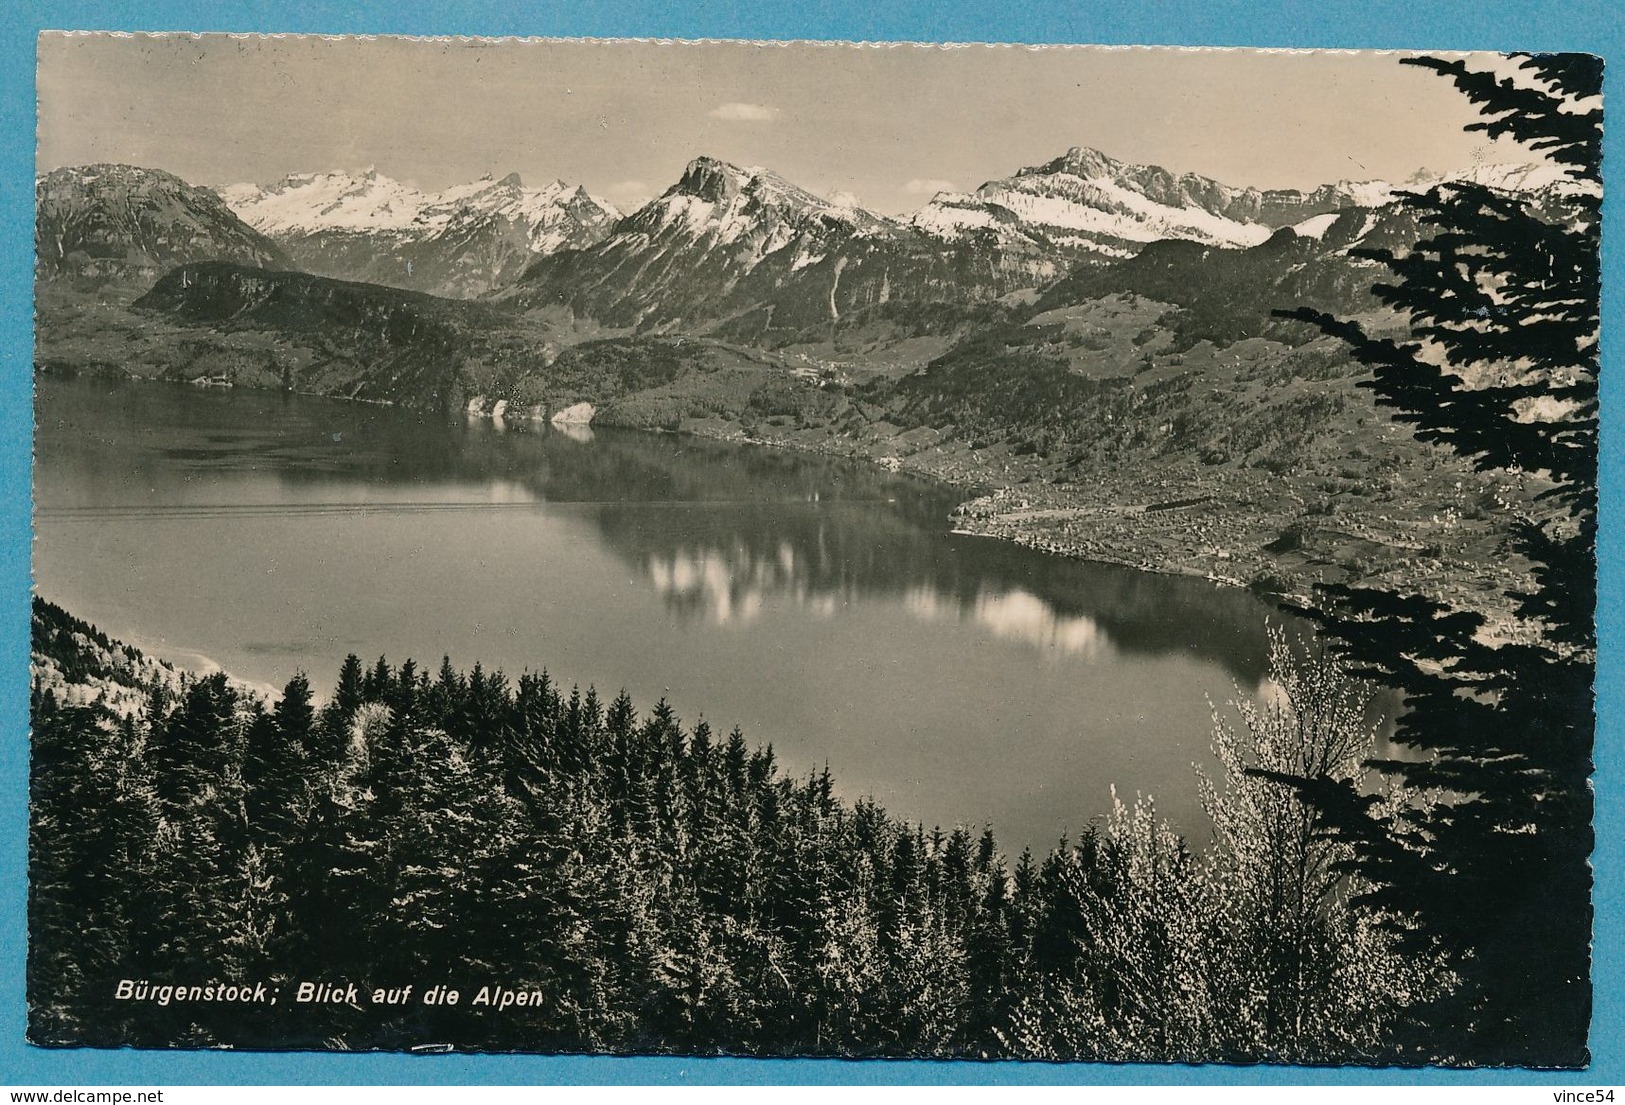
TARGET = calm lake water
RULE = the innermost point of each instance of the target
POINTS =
(821, 605)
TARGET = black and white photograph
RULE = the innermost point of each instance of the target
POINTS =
(814, 549)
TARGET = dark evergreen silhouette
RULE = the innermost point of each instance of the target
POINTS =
(664, 890)
(1502, 299)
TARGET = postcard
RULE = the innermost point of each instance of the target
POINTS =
(805, 549)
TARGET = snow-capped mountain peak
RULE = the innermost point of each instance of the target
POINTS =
(1079, 161)
(730, 202)
(308, 202)
(304, 203)
(462, 240)
(1518, 177)
(1086, 202)
(1543, 176)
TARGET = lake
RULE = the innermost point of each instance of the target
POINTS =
(822, 605)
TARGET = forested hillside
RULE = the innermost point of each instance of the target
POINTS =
(650, 886)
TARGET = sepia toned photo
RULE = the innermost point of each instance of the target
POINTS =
(558, 546)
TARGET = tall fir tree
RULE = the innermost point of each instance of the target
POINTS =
(1502, 302)
(336, 716)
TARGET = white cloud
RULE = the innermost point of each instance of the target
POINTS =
(918, 187)
(743, 113)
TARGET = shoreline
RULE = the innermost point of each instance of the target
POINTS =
(1217, 524)
(1232, 527)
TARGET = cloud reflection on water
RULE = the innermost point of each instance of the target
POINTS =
(728, 584)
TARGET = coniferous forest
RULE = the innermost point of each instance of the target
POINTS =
(323, 868)
(652, 887)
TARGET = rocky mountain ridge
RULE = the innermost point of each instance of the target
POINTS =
(745, 250)
(1085, 202)
(1148, 408)
(462, 241)
(1088, 203)
(742, 253)
(109, 221)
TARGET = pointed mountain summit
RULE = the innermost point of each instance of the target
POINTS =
(1090, 206)
(746, 252)
(730, 203)
(743, 251)
(462, 241)
(1086, 203)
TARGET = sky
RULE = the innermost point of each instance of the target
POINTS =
(889, 125)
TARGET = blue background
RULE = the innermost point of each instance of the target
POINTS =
(1598, 27)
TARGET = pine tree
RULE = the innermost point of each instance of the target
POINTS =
(278, 752)
(340, 710)
(376, 684)
(76, 880)
(199, 742)
(1502, 301)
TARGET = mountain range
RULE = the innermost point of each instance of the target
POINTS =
(727, 254)
(461, 242)
(1091, 330)
(745, 254)
(748, 255)
(736, 251)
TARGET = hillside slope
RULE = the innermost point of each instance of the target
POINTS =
(123, 221)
